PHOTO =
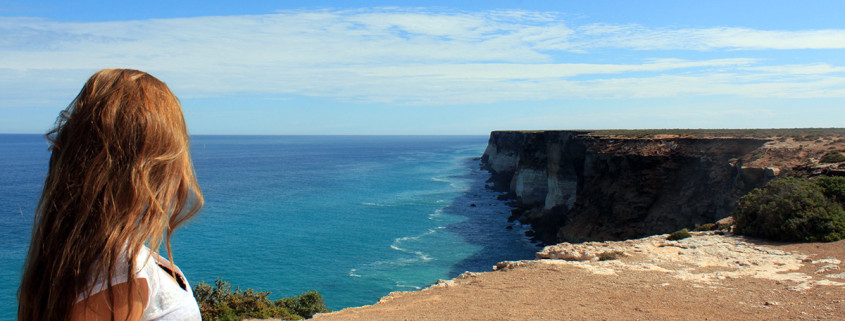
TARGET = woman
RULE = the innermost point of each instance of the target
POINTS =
(120, 179)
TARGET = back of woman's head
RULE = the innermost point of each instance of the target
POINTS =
(120, 176)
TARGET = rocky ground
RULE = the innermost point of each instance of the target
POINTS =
(788, 152)
(781, 151)
(705, 277)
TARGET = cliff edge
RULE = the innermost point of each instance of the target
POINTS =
(576, 186)
(704, 277)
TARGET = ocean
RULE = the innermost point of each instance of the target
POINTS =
(353, 217)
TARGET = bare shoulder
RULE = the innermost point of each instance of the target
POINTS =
(128, 304)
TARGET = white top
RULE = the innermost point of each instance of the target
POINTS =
(167, 300)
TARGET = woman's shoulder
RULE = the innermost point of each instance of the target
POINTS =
(123, 301)
(117, 293)
(144, 262)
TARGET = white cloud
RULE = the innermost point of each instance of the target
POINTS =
(405, 56)
(641, 38)
(514, 71)
(805, 69)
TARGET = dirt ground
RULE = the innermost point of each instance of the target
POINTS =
(706, 277)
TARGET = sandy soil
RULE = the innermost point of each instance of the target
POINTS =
(705, 277)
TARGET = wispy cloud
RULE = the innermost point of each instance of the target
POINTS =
(407, 56)
(642, 38)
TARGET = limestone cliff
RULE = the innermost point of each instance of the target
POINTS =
(577, 186)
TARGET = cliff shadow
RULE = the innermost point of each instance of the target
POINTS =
(486, 226)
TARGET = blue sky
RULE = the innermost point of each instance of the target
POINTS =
(437, 67)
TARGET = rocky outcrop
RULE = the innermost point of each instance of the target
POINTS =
(575, 186)
(706, 257)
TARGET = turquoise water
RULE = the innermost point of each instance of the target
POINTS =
(354, 217)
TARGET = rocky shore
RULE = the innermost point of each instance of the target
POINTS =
(704, 277)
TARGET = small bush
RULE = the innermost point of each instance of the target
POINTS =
(679, 235)
(706, 227)
(610, 255)
(306, 305)
(219, 302)
(832, 157)
(790, 209)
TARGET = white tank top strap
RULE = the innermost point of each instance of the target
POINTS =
(168, 300)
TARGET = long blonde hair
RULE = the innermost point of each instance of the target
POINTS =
(120, 176)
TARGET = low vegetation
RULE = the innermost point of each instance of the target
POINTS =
(794, 209)
(679, 235)
(220, 302)
(712, 227)
(706, 227)
(832, 157)
(833, 188)
(610, 255)
(797, 134)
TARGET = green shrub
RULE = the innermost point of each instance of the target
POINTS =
(724, 227)
(679, 235)
(790, 209)
(610, 255)
(706, 227)
(832, 157)
(305, 305)
(219, 302)
(833, 187)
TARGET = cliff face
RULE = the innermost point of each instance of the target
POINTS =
(576, 187)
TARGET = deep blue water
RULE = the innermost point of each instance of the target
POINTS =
(354, 217)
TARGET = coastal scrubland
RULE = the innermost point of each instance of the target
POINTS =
(221, 303)
(798, 134)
